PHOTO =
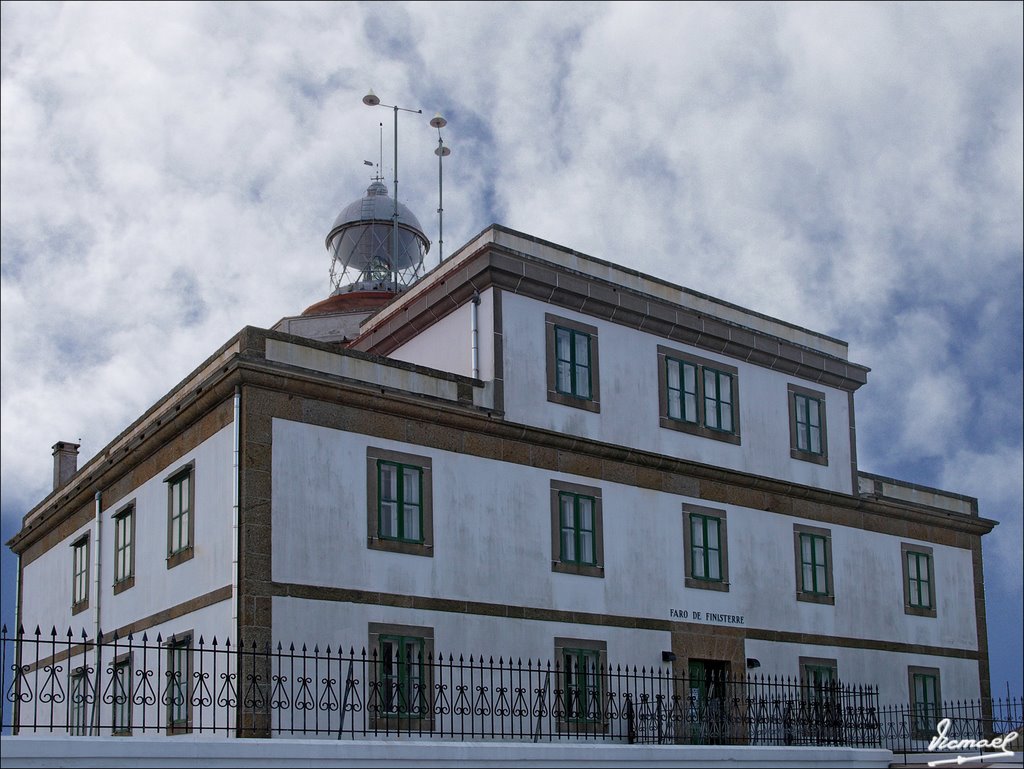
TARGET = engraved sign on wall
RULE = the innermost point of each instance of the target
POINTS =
(707, 617)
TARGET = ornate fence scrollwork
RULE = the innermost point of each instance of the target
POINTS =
(58, 683)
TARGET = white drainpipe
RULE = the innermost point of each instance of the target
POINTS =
(475, 341)
(236, 469)
(234, 511)
(97, 549)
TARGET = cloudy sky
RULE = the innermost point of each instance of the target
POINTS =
(169, 172)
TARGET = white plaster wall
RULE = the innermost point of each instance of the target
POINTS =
(958, 678)
(492, 543)
(447, 344)
(146, 655)
(157, 587)
(630, 408)
(492, 530)
(46, 591)
(208, 666)
(868, 578)
(46, 596)
(348, 624)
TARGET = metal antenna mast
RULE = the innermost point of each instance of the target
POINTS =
(371, 100)
(442, 152)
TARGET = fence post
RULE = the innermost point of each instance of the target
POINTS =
(630, 722)
(541, 698)
(348, 692)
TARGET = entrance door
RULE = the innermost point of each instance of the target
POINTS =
(709, 702)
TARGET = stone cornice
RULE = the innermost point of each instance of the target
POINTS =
(497, 266)
(453, 426)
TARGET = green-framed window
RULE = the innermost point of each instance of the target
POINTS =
(180, 532)
(121, 696)
(178, 689)
(399, 501)
(403, 685)
(581, 676)
(818, 676)
(718, 400)
(698, 396)
(705, 547)
(681, 384)
(124, 534)
(814, 564)
(577, 528)
(80, 573)
(919, 580)
(79, 701)
(820, 680)
(924, 702)
(572, 363)
(808, 424)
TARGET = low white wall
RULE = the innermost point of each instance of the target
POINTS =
(146, 752)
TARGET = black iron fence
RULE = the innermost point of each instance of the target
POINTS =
(71, 685)
(949, 727)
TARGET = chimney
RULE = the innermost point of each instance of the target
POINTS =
(65, 462)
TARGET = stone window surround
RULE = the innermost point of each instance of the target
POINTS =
(82, 541)
(185, 553)
(375, 631)
(172, 642)
(793, 390)
(697, 428)
(593, 403)
(373, 539)
(117, 662)
(817, 662)
(801, 595)
(723, 548)
(596, 570)
(126, 510)
(916, 670)
(601, 647)
(918, 611)
(78, 707)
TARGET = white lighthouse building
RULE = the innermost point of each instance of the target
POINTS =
(526, 451)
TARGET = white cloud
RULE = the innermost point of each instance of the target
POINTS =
(996, 478)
